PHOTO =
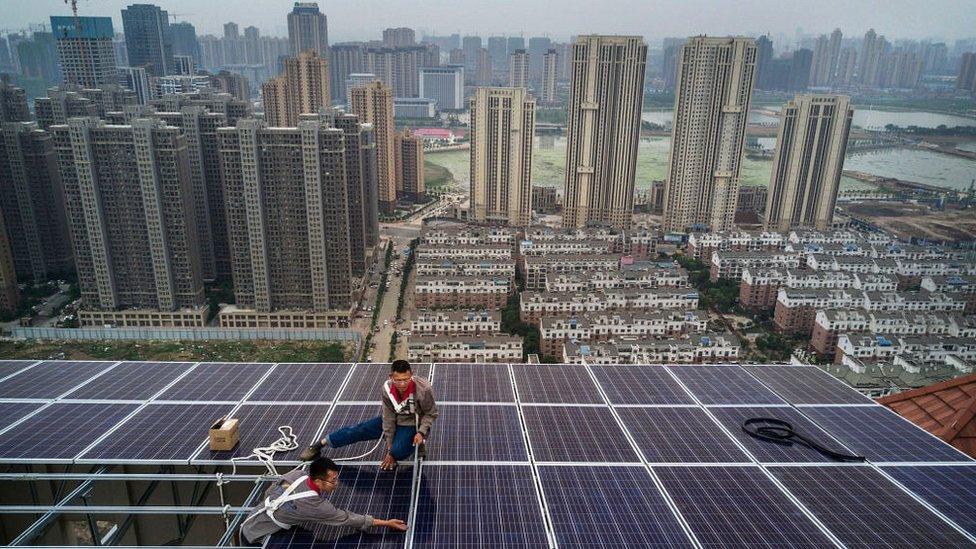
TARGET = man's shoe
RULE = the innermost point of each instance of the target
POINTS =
(312, 452)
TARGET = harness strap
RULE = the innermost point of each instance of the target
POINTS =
(270, 506)
(398, 407)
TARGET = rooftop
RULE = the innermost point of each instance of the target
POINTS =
(947, 410)
(573, 454)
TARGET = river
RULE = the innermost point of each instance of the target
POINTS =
(917, 165)
(549, 164)
(870, 119)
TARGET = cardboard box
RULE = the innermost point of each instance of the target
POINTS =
(224, 435)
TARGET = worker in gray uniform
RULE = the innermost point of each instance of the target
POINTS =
(301, 497)
(409, 411)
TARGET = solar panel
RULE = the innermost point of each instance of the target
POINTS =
(10, 367)
(131, 381)
(576, 433)
(770, 452)
(366, 381)
(631, 384)
(593, 506)
(14, 411)
(477, 487)
(365, 490)
(347, 415)
(951, 490)
(882, 435)
(724, 384)
(555, 383)
(806, 385)
(216, 381)
(159, 433)
(258, 426)
(864, 509)
(60, 431)
(738, 507)
(50, 379)
(670, 435)
(473, 383)
(301, 382)
(464, 432)
(478, 506)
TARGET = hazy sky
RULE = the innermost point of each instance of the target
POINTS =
(559, 19)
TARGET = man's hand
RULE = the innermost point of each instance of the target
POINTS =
(394, 524)
(389, 463)
(418, 439)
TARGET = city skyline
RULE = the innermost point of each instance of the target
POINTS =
(367, 19)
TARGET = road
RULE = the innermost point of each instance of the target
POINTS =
(400, 233)
(386, 321)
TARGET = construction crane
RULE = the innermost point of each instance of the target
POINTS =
(81, 43)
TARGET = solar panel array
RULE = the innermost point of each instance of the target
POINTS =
(530, 455)
(863, 508)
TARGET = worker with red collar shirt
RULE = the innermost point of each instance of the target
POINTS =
(302, 498)
(409, 411)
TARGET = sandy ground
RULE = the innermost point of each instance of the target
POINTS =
(917, 220)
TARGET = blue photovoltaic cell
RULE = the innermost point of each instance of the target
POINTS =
(674, 435)
(159, 433)
(258, 426)
(9, 367)
(882, 435)
(301, 382)
(556, 383)
(806, 385)
(347, 415)
(216, 381)
(770, 452)
(594, 506)
(724, 384)
(632, 384)
(131, 381)
(366, 381)
(61, 431)
(951, 490)
(478, 506)
(465, 432)
(738, 507)
(864, 509)
(366, 490)
(50, 379)
(14, 411)
(576, 433)
(473, 383)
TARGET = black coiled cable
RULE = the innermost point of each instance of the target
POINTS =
(778, 431)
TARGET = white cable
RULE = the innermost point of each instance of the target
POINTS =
(223, 503)
(361, 456)
(265, 454)
(416, 418)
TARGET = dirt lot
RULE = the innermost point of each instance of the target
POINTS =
(917, 220)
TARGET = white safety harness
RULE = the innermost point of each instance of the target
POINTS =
(409, 404)
(272, 505)
(287, 442)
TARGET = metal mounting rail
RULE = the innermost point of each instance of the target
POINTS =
(50, 512)
(120, 509)
(188, 477)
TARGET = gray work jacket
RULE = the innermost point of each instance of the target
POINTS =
(314, 509)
